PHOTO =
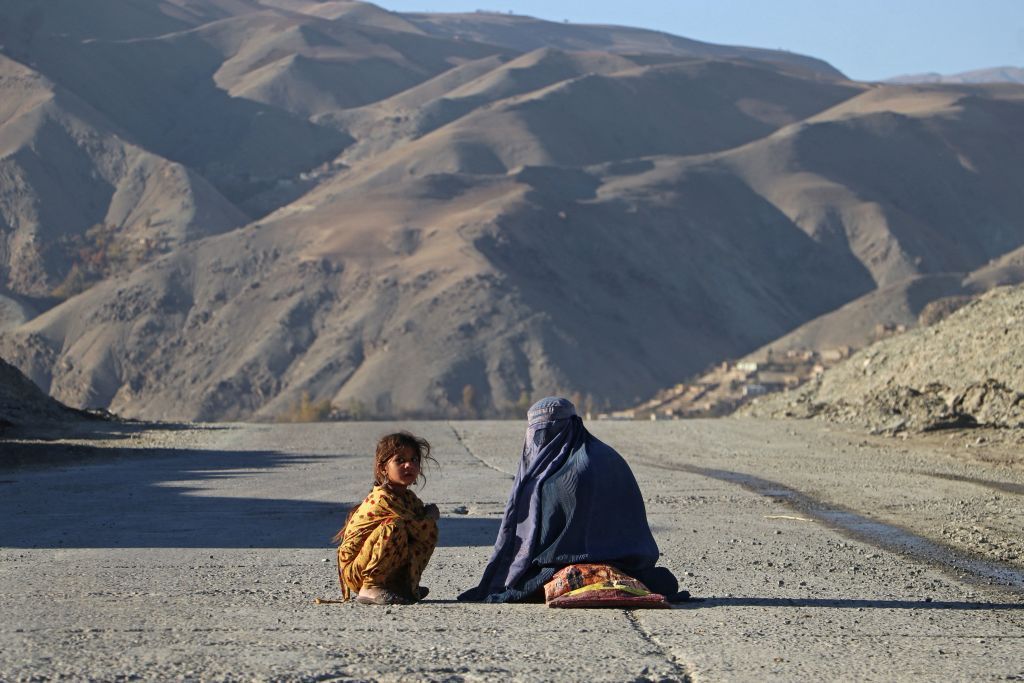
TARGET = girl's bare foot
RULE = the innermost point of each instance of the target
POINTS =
(371, 592)
(379, 596)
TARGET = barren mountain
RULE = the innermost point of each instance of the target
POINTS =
(455, 213)
(362, 302)
(915, 146)
(309, 66)
(900, 178)
(648, 268)
(458, 91)
(75, 195)
(352, 324)
(1001, 74)
(568, 120)
(162, 92)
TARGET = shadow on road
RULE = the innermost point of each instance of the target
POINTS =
(863, 527)
(851, 603)
(147, 498)
(93, 429)
(1001, 486)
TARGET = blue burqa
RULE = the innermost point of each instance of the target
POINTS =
(574, 500)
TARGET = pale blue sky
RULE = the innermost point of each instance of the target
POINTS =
(865, 39)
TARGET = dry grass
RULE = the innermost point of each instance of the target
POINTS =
(307, 410)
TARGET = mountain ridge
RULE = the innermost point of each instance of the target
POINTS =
(998, 74)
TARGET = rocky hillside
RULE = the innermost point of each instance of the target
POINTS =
(965, 370)
(22, 404)
(455, 213)
(79, 202)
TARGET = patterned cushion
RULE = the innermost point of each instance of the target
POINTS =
(598, 585)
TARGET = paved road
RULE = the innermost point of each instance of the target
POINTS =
(196, 555)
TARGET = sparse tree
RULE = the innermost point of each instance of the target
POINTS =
(577, 400)
(307, 410)
(469, 400)
(75, 282)
(523, 403)
(588, 406)
(356, 409)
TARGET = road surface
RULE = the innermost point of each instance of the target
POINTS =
(196, 553)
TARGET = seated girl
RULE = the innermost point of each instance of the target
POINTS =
(388, 539)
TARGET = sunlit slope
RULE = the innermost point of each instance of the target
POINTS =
(911, 180)
(66, 169)
(681, 108)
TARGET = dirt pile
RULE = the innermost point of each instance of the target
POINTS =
(23, 404)
(965, 371)
(896, 408)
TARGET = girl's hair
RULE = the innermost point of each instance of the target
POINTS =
(390, 444)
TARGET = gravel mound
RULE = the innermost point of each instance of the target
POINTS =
(967, 370)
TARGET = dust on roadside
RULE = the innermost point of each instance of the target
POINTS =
(55, 444)
(987, 524)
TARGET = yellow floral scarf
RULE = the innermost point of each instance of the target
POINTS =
(381, 505)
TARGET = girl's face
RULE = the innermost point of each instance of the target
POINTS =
(403, 469)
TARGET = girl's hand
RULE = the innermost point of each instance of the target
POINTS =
(432, 511)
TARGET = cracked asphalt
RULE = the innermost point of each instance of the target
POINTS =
(196, 553)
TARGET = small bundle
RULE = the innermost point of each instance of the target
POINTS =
(599, 585)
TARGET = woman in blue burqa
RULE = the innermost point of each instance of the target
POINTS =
(574, 500)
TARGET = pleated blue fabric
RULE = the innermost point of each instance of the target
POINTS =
(574, 500)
